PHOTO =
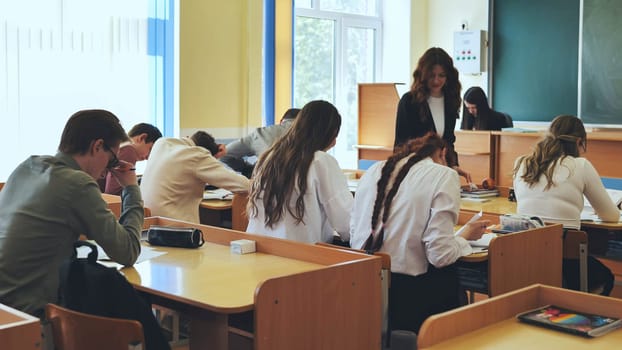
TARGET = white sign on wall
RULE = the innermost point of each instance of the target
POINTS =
(469, 51)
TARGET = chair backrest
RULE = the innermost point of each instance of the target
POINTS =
(239, 217)
(72, 330)
(575, 247)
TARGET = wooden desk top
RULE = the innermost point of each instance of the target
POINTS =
(216, 204)
(511, 334)
(491, 323)
(496, 205)
(211, 277)
(501, 205)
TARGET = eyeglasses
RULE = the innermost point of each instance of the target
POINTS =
(114, 161)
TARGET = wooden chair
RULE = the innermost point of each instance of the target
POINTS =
(73, 330)
(575, 247)
(239, 217)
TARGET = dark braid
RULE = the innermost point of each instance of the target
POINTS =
(422, 148)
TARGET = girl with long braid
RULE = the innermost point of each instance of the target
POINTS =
(407, 206)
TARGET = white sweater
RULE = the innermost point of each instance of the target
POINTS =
(563, 202)
(175, 178)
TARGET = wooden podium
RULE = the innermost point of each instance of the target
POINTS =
(377, 113)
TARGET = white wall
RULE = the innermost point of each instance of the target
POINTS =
(396, 42)
(445, 17)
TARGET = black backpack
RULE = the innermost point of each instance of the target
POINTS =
(89, 287)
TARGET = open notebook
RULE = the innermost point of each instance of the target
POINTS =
(218, 193)
(588, 213)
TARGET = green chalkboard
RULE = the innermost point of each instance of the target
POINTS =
(601, 62)
(535, 47)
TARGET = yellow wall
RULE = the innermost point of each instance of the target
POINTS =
(221, 57)
(220, 66)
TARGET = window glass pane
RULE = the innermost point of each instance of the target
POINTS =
(358, 68)
(314, 60)
(302, 4)
(359, 7)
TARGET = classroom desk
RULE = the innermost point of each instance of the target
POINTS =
(515, 260)
(490, 210)
(602, 152)
(293, 289)
(599, 233)
(491, 323)
(19, 330)
(476, 154)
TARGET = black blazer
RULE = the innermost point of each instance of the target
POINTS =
(411, 124)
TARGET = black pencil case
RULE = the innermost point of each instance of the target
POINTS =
(181, 237)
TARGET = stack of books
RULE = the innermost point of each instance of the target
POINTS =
(479, 193)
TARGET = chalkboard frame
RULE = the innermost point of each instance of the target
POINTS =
(600, 90)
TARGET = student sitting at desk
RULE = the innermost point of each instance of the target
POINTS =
(410, 204)
(298, 191)
(477, 114)
(256, 143)
(177, 172)
(142, 137)
(48, 201)
(551, 182)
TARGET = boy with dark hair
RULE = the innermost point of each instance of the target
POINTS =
(177, 172)
(142, 138)
(48, 201)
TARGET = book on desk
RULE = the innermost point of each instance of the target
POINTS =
(570, 321)
(219, 193)
(479, 193)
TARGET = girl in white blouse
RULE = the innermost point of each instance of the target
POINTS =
(298, 191)
(407, 207)
(551, 182)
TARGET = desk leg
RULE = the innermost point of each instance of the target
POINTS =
(211, 332)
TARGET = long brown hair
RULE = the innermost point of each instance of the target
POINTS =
(417, 149)
(451, 90)
(285, 165)
(559, 142)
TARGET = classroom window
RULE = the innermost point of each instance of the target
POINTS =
(59, 57)
(336, 46)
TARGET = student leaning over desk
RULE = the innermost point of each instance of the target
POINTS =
(48, 201)
(477, 114)
(177, 172)
(551, 182)
(256, 143)
(407, 206)
(142, 137)
(298, 191)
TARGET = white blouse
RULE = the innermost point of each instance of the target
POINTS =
(328, 203)
(420, 227)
